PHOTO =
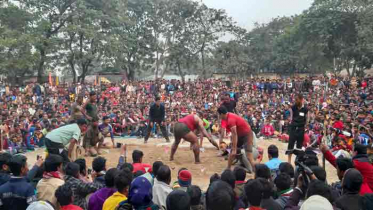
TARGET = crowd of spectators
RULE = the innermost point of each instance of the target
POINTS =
(341, 111)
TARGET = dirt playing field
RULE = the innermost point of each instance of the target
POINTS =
(157, 149)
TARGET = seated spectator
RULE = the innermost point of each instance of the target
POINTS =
(273, 163)
(254, 191)
(214, 177)
(99, 168)
(284, 190)
(220, 196)
(80, 189)
(40, 205)
(106, 129)
(184, 180)
(122, 183)
(64, 195)
(140, 195)
(315, 188)
(267, 130)
(288, 169)
(52, 179)
(137, 157)
(350, 200)
(262, 171)
(161, 187)
(96, 201)
(342, 165)
(83, 169)
(267, 200)
(228, 176)
(361, 163)
(240, 175)
(17, 193)
(319, 172)
(195, 195)
(4, 167)
(178, 200)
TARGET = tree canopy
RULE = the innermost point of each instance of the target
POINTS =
(142, 37)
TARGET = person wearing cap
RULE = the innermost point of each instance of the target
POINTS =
(242, 136)
(140, 196)
(58, 139)
(41, 205)
(184, 180)
(185, 129)
(157, 115)
(17, 193)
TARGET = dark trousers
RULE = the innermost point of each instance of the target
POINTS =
(163, 129)
(54, 148)
(296, 135)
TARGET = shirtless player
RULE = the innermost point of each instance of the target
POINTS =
(241, 135)
(184, 129)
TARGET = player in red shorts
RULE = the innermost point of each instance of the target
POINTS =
(184, 129)
(241, 135)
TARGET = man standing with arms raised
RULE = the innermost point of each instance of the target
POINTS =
(242, 136)
(157, 115)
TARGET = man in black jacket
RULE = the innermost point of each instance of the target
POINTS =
(157, 115)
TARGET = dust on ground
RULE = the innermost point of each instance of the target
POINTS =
(158, 150)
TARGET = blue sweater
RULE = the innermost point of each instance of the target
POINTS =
(17, 193)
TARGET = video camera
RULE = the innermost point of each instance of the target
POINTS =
(303, 161)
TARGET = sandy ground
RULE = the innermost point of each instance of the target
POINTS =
(158, 150)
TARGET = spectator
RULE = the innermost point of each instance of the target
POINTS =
(274, 162)
(267, 130)
(64, 195)
(161, 187)
(287, 168)
(17, 193)
(106, 129)
(220, 196)
(4, 167)
(214, 177)
(240, 176)
(80, 189)
(40, 205)
(137, 157)
(351, 184)
(184, 180)
(267, 200)
(342, 165)
(52, 179)
(140, 195)
(284, 190)
(82, 169)
(99, 168)
(195, 195)
(262, 171)
(316, 187)
(361, 163)
(178, 200)
(96, 201)
(122, 183)
(254, 191)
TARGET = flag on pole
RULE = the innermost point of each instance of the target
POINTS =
(57, 81)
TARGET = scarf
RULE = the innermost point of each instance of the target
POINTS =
(53, 174)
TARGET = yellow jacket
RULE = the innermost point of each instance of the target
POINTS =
(113, 201)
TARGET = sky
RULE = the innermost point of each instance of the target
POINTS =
(247, 12)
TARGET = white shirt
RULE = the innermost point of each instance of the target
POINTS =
(160, 192)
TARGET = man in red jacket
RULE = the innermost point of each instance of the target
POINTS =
(361, 163)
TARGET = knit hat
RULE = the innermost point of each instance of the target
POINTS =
(316, 202)
(185, 178)
(40, 205)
